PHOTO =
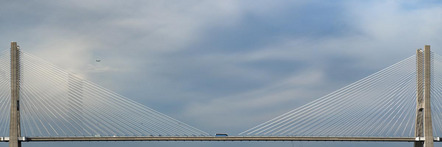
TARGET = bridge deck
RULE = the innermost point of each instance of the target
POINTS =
(229, 138)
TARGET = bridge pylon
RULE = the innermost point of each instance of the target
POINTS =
(14, 125)
(423, 126)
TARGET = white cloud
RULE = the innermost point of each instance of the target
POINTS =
(385, 33)
(140, 40)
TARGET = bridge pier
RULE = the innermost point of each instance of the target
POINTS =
(14, 124)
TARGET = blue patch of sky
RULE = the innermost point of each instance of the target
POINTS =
(417, 4)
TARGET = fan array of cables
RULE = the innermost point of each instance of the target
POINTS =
(380, 105)
(54, 102)
(5, 92)
(436, 93)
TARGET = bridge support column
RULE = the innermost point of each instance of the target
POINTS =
(424, 126)
(419, 126)
(428, 126)
(14, 125)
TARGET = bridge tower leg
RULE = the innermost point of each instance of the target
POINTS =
(424, 126)
(428, 126)
(14, 125)
(419, 126)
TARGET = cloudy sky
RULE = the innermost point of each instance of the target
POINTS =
(223, 66)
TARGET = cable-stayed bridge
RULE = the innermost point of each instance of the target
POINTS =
(41, 102)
